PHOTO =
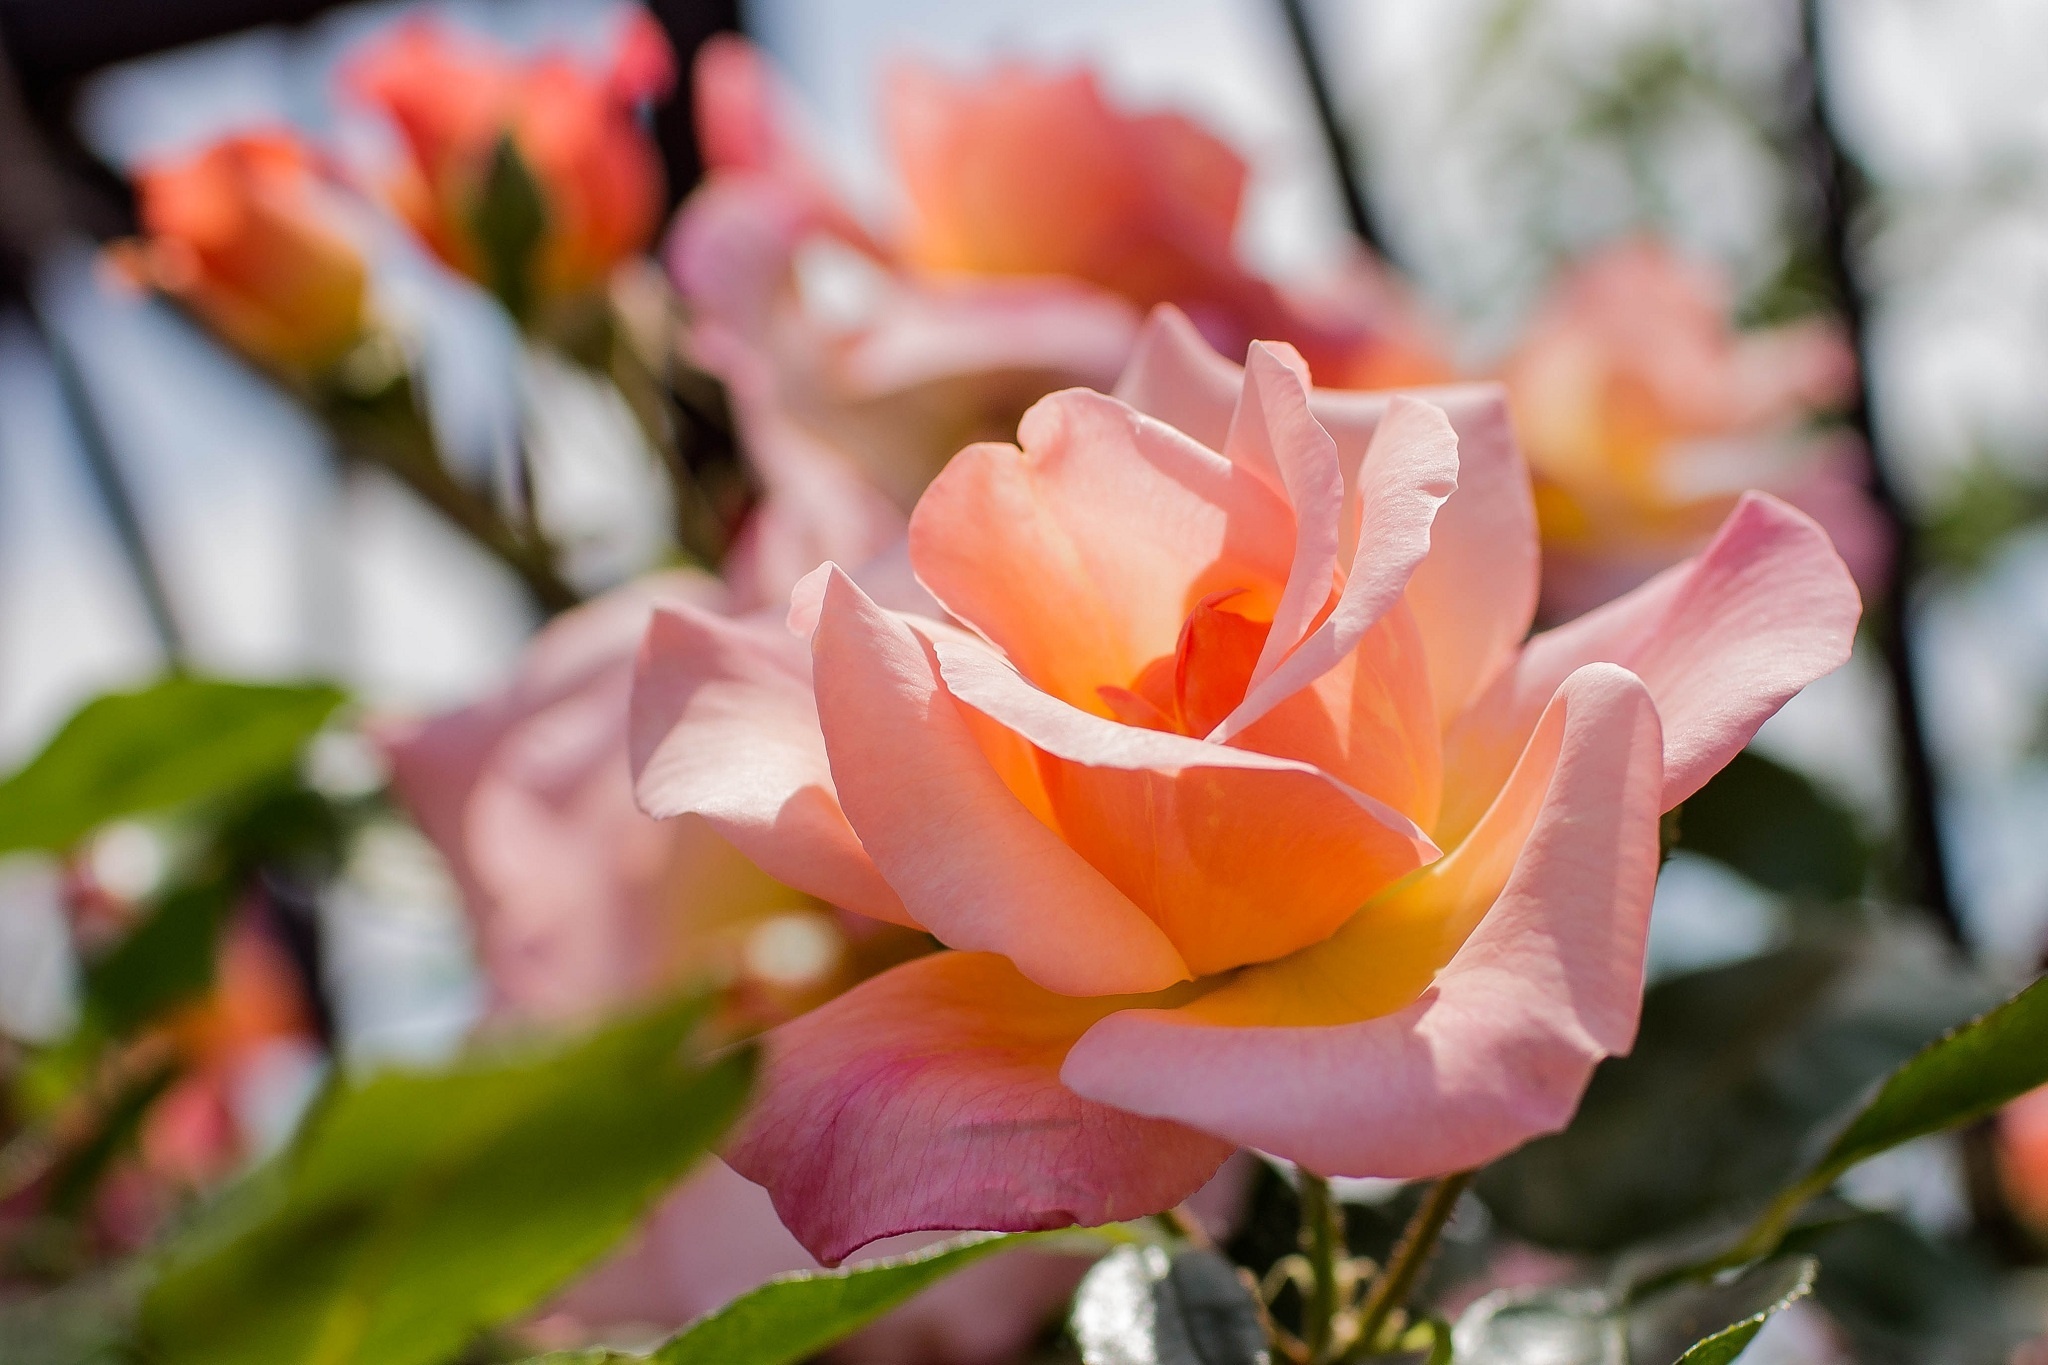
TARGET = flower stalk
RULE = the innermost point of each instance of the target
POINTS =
(1405, 1264)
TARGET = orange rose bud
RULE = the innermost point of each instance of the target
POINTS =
(484, 130)
(239, 235)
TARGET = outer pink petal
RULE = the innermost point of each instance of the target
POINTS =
(1496, 1050)
(973, 865)
(929, 1097)
(1081, 554)
(1238, 856)
(1722, 641)
(1474, 593)
(1409, 471)
(723, 725)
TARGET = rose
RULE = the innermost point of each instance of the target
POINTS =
(1645, 415)
(859, 360)
(454, 99)
(2023, 1157)
(244, 235)
(581, 905)
(1245, 812)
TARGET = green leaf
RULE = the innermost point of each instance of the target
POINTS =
(1540, 1327)
(1147, 1305)
(178, 741)
(1965, 1074)
(1713, 1323)
(1734, 1070)
(1777, 828)
(793, 1317)
(163, 961)
(510, 220)
(418, 1208)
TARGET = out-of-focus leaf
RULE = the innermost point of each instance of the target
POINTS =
(1146, 1305)
(509, 220)
(1778, 829)
(178, 741)
(1712, 1324)
(1697, 1324)
(793, 1317)
(1985, 505)
(1902, 1299)
(1734, 1069)
(83, 1323)
(1540, 1327)
(1965, 1074)
(418, 1208)
(163, 961)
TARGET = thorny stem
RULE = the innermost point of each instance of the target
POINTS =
(1406, 1262)
(1322, 1242)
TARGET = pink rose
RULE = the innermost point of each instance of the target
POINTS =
(1245, 811)
(1646, 415)
(582, 904)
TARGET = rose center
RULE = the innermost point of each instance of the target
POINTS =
(1191, 690)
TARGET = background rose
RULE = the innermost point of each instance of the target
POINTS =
(1235, 669)
(1646, 414)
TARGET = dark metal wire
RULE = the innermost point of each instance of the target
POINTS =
(1840, 188)
(1337, 146)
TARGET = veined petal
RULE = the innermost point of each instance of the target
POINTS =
(929, 1097)
(1365, 1057)
(723, 725)
(1081, 554)
(971, 861)
(1238, 856)
(1722, 641)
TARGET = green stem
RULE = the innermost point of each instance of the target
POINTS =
(1390, 1290)
(1322, 1242)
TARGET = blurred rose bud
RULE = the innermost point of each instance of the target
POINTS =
(244, 235)
(532, 176)
(2023, 1157)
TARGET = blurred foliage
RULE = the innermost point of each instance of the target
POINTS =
(416, 1209)
(1778, 828)
(1903, 1298)
(1732, 1071)
(1984, 507)
(179, 741)
(1181, 1306)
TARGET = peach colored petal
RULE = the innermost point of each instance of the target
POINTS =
(1081, 554)
(1369, 722)
(1273, 435)
(1474, 593)
(1410, 469)
(1722, 641)
(723, 725)
(1330, 1057)
(1238, 856)
(972, 862)
(929, 1097)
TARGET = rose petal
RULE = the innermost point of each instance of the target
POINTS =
(928, 1097)
(1474, 593)
(1179, 378)
(1722, 641)
(1238, 856)
(1081, 554)
(1409, 470)
(723, 725)
(1302, 1059)
(971, 861)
